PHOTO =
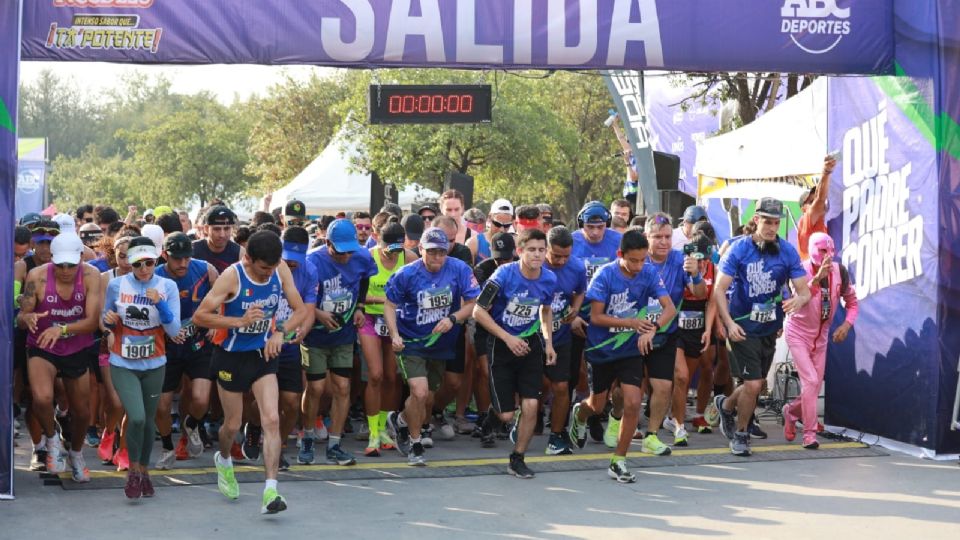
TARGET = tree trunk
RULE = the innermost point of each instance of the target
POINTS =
(792, 85)
(747, 111)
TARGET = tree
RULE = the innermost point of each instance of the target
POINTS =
(56, 108)
(753, 92)
(93, 179)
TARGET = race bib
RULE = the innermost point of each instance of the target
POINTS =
(654, 309)
(520, 310)
(691, 320)
(763, 313)
(558, 317)
(138, 347)
(259, 327)
(625, 314)
(337, 303)
(380, 327)
(436, 298)
(187, 329)
(593, 264)
(825, 308)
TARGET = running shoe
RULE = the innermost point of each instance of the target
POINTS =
(789, 424)
(426, 436)
(167, 459)
(403, 433)
(133, 489)
(670, 424)
(595, 427)
(92, 438)
(387, 442)
(478, 426)
(728, 421)
(146, 486)
(38, 461)
(180, 451)
(122, 460)
(577, 430)
(273, 502)
(416, 458)
(321, 433)
(810, 441)
(194, 444)
(78, 469)
(612, 434)
(373, 446)
(504, 432)
(284, 464)
(557, 446)
(236, 452)
(205, 437)
(680, 436)
(740, 444)
(618, 471)
(337, 456)
(653, 445)
(363, 433)
(702, 425)
(107, 442)
(515, 428)
(226, 481)
(251, 442)
(518, 467)
(305, 455)
(754, 429)
(442, 429)
(56, 458)
(463, 426)
(712, 414)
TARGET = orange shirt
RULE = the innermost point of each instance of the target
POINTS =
(804, 229)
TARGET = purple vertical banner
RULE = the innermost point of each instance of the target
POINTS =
(9, 78)
(882, 215)
(31, 175)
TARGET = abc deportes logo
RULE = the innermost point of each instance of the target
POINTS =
(815, 26)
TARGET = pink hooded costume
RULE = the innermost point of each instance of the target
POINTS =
(807, 333)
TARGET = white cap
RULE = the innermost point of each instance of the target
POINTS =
(501, 206)
(155, 233)
(67, 223)
(66, 248)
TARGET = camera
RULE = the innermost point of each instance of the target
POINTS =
(697, 250)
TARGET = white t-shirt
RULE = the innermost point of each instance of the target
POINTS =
(679, 239)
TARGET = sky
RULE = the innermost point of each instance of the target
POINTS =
(225, 81)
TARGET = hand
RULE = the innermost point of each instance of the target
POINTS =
(328, 320)
(791, 305)
(252, 315)
(274, 344)
(132, 209)
(691, 265)
(111, 318)
(828, 164)
(735, 333)
(642, 326)
(397, 343)
(359, 318)
(705, 339)
(645, 342)
(579, 327)
(30, 320)
(181, 337)
(442, 327)
(825, 267)
(211, 334)
(551, 355)
(840, 333)
(154, 295)
(517, 346)
(572, 316)
(48, 337)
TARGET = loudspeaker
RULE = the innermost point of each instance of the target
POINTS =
(675, 202)
(668, 171)
(381, 193)
(462, 183)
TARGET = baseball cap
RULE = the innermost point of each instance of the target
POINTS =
(413, 225)
(694, 214)
(90, 231)
(392, 236)
(295, 208)
(154, 233)
(501, 206)
(433, 207)
(594, 211)
(502, 246)
(392, 208)
(178, 246)
(149, 212)
(66, 248)
(30, 218)
(220, 215)
(66, 222)
(45, 230)
(295, 251)
(806, 195)
(141, 248)
(343, 235)
(434, 238)
(769, 207)
(545, 209)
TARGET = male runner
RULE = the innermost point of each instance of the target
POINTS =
(217, 248)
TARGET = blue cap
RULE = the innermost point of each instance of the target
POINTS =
(292, 251)
(343, 235)
(434, 238)
(694, 214)
(595, 211)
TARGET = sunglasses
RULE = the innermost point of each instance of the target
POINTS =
(501, 225)
(661, 220)
(66, 266)
(363, 227)
(45, 230)
(88, 220)
(428, 217)
(296, 223)
(547, 218)
(146, 262)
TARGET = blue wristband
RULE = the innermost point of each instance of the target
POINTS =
(166, 316)
(697, 279)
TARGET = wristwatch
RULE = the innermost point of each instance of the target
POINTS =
(453, 319)
(63, 329)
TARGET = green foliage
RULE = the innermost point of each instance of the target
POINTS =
(91, 178)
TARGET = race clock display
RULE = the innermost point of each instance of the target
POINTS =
(430, 104)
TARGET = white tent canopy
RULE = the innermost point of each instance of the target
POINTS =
(328, 185)
(777, 155)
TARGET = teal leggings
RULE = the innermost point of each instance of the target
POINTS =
(139, 392)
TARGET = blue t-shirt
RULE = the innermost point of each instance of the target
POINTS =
(571, 281)
(594, 256)
(100, 263)
(424, 298)
(622, 297)
(193, 287)
(305, 279)
(517, 306)
(339, 287)
(758, 279)
(674, 280)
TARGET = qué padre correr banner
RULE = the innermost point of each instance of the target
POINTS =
(805, 36)
(883, 217)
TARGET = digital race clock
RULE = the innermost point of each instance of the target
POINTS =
(430, 104)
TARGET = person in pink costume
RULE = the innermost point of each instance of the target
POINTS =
(807, 331)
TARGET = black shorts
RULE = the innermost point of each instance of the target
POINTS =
(185, 361)
(93, 361)
(290, 374)
(577, 344)
(626, 370)
(237, 371)
(511, 375)
(559, 372)
(71, 366)
(660, 362)
(751, 358)
(459, 362)
(481, 341)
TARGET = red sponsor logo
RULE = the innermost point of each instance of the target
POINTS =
(103, 3)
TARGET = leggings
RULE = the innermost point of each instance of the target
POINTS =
(139, 392)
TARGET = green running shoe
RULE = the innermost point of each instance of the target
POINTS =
(273, 502)
(226, 481)
(652, 445)
(612, 433)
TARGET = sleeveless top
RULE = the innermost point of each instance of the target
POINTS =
(483, 249)
(379, 282)
(221, 261)
(64, 311)
(250, 293)
(139, 335)
(192, 287)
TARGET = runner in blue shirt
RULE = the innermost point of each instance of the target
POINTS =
(759, 266)
(619, 340)
(427, 301)
(514, 305)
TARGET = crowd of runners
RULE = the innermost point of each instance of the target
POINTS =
(402, 329)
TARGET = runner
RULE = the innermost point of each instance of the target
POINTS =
(139, 309)
(343, 270)
(294, 214)
(241, 306)
(426, 302)
(217, 248)
(364, 225)
(620, 339)
(188, 353)
(682, 234)
(499, 220)
(758, 266)
(514, 305)
(59, 311)
(566, 304)
(452, 204)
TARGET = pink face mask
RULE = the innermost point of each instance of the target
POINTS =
(819, 241)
